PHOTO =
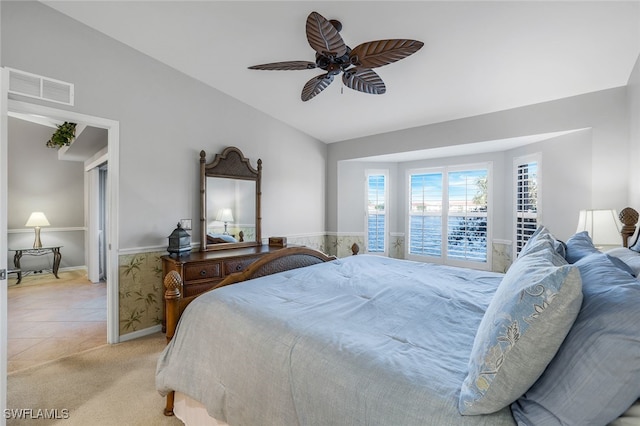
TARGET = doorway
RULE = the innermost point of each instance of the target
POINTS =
(52, 316)
(110, 199)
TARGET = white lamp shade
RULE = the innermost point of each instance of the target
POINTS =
(37, 219)
(603, 226)
(225, 215)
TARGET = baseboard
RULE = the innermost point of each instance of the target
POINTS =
(140, 333)
(73, 268)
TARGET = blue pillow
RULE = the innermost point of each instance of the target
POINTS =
(622, 265)
(223, 237)
(528, 318)
(579, 246)
(535, 242)
(628, 257)
(595, 376)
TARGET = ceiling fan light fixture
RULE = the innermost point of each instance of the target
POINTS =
(335, 57)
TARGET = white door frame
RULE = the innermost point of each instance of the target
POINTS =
(113, 138)
(4, 143)
(92, 214)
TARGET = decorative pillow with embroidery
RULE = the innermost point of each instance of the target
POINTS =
(536, 242)
(532, 311)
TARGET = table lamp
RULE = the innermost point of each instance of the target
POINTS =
(37, 219)
(226, 216)
(603, 227)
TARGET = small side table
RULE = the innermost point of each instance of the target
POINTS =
(57, 256)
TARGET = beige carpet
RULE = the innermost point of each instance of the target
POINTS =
(108, 385)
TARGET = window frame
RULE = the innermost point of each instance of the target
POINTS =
(368, 173)
(445, 214)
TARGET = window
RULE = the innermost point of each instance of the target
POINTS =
(527, 196)
(425, 214)
(448, 214)
(467, 216)
(376, 211)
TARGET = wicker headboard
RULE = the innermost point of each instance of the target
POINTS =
(279, 261)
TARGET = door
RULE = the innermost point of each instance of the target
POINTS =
(96, 221)
(102, 221)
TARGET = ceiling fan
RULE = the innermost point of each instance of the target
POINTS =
(335, 57)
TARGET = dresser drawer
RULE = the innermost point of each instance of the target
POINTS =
(197, 288)
(202, 271)
(238, 265)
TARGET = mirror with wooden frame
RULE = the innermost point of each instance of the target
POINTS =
(230, 201)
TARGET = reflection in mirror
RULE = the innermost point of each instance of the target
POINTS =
(231, 209)
(230, 201)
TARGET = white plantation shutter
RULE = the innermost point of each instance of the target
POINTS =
(467, 216)
(526, 200)
(376, 211)
(425, 214)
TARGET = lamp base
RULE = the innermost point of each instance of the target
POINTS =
(37, 244)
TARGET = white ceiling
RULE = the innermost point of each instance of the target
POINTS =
(478, 57)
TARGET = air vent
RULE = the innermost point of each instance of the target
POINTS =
(39, 87)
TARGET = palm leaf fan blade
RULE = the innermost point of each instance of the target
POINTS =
(364, 80)
(323, 37)
(285, 66)
(377, 53)
(315, 85)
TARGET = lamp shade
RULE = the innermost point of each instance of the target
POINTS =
(603, 226)
(225, 215)
(37, 219)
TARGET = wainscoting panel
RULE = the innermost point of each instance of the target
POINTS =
(141, 291)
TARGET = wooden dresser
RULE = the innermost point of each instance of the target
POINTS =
(200, 270)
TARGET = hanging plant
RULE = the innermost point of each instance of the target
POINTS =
(63, 136)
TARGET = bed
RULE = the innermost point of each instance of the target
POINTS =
(304, 339)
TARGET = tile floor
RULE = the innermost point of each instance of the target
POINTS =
(49, 318)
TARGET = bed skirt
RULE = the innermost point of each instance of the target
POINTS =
(192, 412)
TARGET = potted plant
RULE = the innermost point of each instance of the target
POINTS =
(63, 136)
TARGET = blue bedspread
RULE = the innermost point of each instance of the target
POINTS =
(363, 340)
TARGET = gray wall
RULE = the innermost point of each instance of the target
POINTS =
(599, 156)
(38, 181)
(633, 89)
(166, 118)
(566, 185)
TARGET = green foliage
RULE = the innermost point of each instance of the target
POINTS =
(63, 136)
(481, 195)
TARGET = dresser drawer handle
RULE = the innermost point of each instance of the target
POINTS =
(203, 272)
